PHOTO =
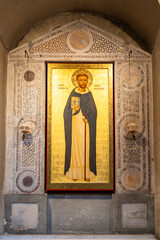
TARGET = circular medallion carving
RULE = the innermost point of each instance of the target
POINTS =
(29, 76)
(131, 178)
(79, 40)
(27, 181)
(132, 76)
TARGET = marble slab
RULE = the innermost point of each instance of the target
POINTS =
(25, 215)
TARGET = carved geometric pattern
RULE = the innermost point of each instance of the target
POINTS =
(148, 99)
(55, 45)
(29, 127)
(143, 110)
(18, 95)
(28, 102)
(131, 152)
(120, 135)
(101, 45)
(58, 37)
(28, 155)
(28, 175)
(131, 101)
(133, 156)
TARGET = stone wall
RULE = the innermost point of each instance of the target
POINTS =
(156, 99)
(3, 74)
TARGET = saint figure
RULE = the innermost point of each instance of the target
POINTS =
(80, 115)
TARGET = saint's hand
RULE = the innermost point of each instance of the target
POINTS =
(85, 120)
(76, 109)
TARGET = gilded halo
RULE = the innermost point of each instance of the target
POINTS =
(79, 71)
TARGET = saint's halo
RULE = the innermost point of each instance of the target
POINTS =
(81, 71)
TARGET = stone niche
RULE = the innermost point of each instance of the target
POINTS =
(79, 41)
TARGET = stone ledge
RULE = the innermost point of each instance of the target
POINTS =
(85, 237)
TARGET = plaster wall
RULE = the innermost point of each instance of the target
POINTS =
(156, 101)
(3, 71)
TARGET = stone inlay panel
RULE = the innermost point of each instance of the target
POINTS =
(133, 115)
(134, 215)
(79, 40)
(131, 152)
(103, 45)
(28, 155)
(29, 102)
(55, 45)
(29, 76)
(130, 101)
(25, 215)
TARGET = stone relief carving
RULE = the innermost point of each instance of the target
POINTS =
(28, 142)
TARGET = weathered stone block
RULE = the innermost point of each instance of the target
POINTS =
(133, 213)
(77, 214)
(25, 214)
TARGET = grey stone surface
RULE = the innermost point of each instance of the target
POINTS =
(133, 213)
(156, 125)
(82, 236)
(3, 84)
(25, 214)
(80, 213)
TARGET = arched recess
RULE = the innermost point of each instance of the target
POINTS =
(141, 15)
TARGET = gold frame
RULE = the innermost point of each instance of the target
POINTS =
(62, 69)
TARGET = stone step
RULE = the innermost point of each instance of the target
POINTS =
(76, 237)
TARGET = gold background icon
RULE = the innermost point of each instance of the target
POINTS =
(59, 89)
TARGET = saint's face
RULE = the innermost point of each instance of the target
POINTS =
(82, 81)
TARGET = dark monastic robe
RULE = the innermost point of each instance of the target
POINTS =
(88, 108)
